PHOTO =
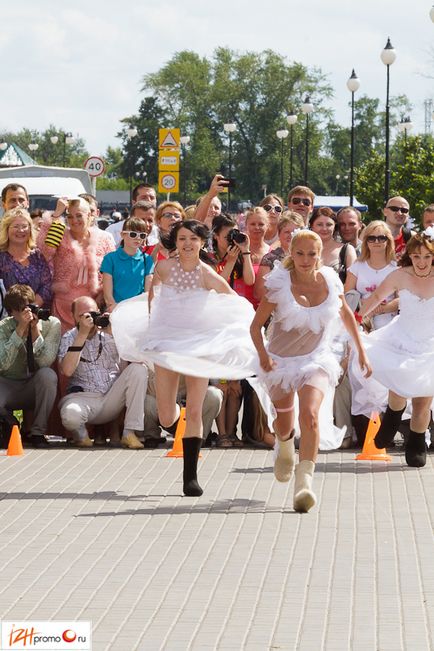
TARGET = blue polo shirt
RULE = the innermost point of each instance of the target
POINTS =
(128, 272)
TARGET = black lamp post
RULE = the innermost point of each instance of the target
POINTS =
(184, 142)
(131, 133)
(353, 84)
(281, 134)
(291, 119)
(229, 128)
(307, 109)
(388, 56)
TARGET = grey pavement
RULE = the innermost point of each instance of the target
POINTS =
(106, 535)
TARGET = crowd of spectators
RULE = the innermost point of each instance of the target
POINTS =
(61, 276)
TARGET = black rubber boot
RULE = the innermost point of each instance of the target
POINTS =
(360, 424)
(415, 450)
(191, 447)
(388, 428)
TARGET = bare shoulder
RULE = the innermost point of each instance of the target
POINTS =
(164, 267)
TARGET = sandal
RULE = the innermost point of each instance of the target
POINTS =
(227, 441)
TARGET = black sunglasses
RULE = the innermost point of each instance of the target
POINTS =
(398, 209)
(268, 207)
(376, 238)
(298, 200)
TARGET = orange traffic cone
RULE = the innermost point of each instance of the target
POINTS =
(177, 450)
(370, 452)
(15, 446)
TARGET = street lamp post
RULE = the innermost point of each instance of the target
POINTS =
(388, 56)
(184, 142)
(68, 139)
(281, 134)
(291, 119)
(33, 146)
(307, 109)
(131, 133)
(229, 128)
(353, 84)
(405, 126)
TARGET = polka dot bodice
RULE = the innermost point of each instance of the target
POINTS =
(184, 281)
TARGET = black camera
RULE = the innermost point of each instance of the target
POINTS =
(100, 320)
(235, 236)
(41, 312)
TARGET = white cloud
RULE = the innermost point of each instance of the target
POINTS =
(80, 67)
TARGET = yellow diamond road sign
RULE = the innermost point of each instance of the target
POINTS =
(168, 161)
(169, 138)
(168, 182)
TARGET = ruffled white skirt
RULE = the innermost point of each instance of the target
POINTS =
(198, 332)
(399, 362)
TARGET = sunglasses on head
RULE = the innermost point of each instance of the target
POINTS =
(134, 234)
(376, 238)
(398, 209)
(268, 207)
(297, 200)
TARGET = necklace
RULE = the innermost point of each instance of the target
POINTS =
(422, 275)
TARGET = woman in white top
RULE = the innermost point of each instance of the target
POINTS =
(306, 301)
(376, 262)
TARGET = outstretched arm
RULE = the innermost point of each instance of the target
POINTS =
(387, 287)
(262, 314)
(351, 327)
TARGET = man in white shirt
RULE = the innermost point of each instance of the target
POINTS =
(141, 192)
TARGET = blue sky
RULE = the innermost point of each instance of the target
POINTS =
(79, 65)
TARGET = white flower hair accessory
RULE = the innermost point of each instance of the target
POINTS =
(297, 231)
(429, 232)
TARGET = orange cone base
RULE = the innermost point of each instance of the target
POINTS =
(370, 451)
(381, 456)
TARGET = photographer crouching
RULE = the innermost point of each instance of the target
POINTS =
(100, 384)
(29, 341)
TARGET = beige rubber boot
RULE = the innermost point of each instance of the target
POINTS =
(284, 459)
(304, 497)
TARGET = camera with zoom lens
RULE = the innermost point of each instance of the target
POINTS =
(40, 312)
(235, 236)
(100, 320)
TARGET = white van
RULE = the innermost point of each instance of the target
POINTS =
(46, 184)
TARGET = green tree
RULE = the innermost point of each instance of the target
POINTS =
(47, 152)
(254, 91)
(412, 175)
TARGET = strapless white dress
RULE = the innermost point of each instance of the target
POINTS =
(402, 353)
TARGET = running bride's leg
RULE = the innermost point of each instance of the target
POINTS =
(310, 399)
(415, 448)
(283, 426)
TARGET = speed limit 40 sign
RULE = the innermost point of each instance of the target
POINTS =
(94, 166)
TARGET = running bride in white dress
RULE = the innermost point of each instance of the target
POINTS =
(305, 301)
(402, 353)
(197, 326)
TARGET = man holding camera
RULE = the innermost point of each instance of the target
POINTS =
(29, 340)
(100, 384)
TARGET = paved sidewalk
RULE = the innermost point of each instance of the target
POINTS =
(106, 535)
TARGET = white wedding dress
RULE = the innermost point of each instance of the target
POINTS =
(402, 353)
(190, 329)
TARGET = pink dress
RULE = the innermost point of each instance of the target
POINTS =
(75, 269)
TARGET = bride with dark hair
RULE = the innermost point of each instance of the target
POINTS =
(198, 326)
